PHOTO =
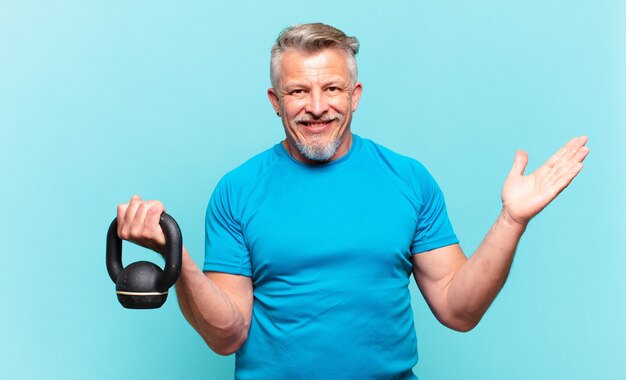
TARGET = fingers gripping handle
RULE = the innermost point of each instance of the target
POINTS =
(173, 251)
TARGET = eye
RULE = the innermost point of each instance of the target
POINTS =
(297, 91)
(333, 88)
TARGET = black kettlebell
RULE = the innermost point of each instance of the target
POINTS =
(144, 285)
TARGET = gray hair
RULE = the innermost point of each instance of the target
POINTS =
(312, 38)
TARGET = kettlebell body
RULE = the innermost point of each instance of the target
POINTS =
(144, 285)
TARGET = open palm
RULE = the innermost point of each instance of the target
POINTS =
(525, 196)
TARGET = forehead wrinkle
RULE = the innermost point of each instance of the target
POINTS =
(322, 79)
(316, 67)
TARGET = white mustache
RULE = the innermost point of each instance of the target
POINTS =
(324, 119)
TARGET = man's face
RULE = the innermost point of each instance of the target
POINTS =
(315, 100)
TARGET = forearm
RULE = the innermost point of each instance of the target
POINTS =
(209, 309)
(479, 280)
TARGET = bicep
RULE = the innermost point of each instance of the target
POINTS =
(433, 271)
(238, 288)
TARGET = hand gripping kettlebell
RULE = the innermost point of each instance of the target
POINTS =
(144, 285)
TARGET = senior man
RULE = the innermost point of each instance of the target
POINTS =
(310, 245)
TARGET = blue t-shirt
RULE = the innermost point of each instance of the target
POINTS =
(328, 248)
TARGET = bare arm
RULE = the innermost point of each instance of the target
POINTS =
(460, 290)
(217, 305)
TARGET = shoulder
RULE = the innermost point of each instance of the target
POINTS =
(243, 178)
(406, 168)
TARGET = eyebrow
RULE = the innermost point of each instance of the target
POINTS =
(291, 86)
(336, 82)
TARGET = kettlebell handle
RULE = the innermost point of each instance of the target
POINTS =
(173, 251)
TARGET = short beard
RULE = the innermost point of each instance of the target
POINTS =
(317, 151)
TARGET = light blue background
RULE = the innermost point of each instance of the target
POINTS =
(101, 100)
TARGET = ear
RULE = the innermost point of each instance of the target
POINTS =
(356, 95)
(274, 100)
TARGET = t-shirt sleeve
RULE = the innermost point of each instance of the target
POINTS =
(225, 247)
(434, 229)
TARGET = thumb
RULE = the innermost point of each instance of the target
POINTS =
(519, 164)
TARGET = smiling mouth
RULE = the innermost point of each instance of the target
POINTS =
(315, 123)
(316, 126)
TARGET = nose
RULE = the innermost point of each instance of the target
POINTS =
(317, 104)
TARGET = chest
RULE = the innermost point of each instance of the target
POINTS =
(357, 226)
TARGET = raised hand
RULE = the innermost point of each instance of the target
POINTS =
(523, 197)
(138, 222)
